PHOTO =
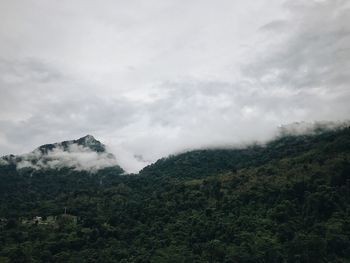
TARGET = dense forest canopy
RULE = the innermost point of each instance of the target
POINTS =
(287, 201)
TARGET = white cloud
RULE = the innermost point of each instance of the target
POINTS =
(307, 128)
(151, 78)
(76, 156)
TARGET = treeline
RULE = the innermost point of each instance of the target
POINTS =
(286, 202)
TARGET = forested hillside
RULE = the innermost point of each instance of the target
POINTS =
(287, 201)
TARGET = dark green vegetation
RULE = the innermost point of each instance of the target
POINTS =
(286, 202)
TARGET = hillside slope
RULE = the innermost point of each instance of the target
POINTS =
(201, 163)
(286, 202)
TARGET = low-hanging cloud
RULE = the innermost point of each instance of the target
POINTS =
(307, 128)
(76, 156)
(153, 79)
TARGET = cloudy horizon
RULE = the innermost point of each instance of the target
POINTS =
(150, 78)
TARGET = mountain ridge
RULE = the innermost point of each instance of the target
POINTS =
(89, 143)
(288, 203)
(204, 162)
(85, 152)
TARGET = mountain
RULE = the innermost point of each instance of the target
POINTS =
(206, 162)
(285, 201)
(87, 141)
(85, 153)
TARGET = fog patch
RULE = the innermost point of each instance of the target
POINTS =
(76, 156)
(3, 162)
(310, 128)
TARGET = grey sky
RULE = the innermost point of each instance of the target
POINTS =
(154, 77)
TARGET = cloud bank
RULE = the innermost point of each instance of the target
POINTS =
(307, 128)
(151, 78)
(76, 156)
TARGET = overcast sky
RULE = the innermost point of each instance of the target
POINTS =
(154, 77)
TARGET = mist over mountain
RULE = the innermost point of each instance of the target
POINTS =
(310, 128)
(89, 154)
(195, 75)
(86, 154)
(213, 131)
(283, 201)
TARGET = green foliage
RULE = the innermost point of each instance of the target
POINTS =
(288, 201)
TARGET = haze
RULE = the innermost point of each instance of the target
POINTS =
(151, 78)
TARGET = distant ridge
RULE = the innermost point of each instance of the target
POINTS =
(205, 162)
(85, 153)
(87, 141)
